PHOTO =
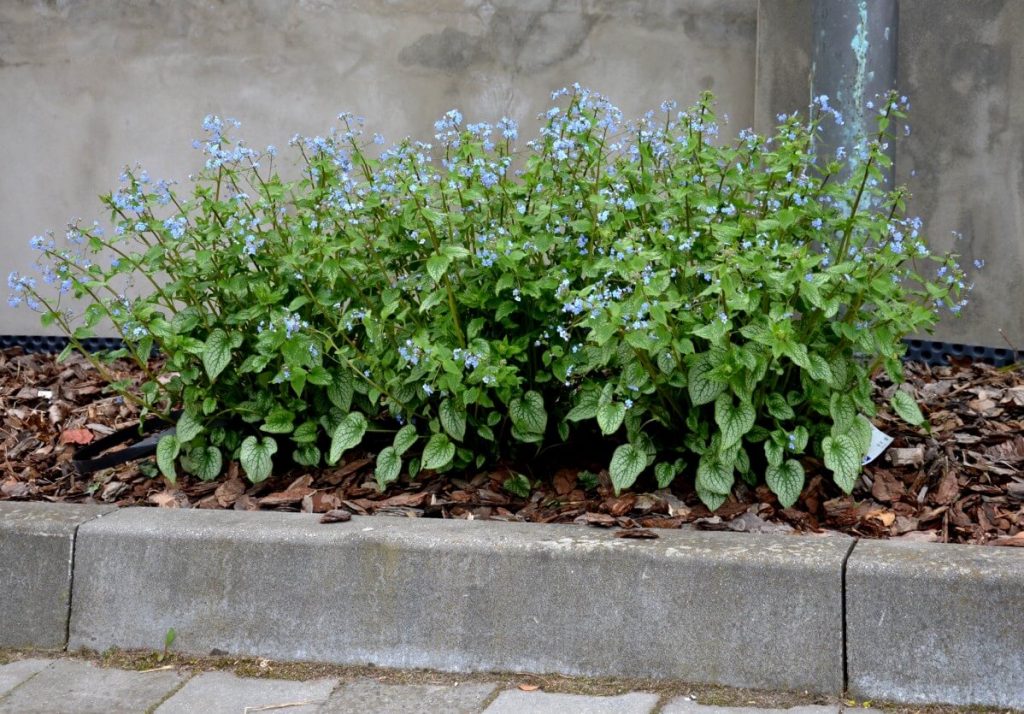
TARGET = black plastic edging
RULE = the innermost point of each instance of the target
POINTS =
(938, 353)
(930, 352)
(51, 343)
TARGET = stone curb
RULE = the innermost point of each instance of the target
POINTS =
(930, 622)
(923, 622)
(37, 543)
(466, 596)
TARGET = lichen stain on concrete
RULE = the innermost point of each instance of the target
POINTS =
(514, 39)
(450, 50)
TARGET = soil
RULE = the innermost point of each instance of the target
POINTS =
(963, 482)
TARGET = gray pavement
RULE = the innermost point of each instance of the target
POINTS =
(67, 686)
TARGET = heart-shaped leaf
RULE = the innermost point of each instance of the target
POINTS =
(255, 457)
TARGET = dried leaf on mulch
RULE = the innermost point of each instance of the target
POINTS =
(336, 516)
(963, 482)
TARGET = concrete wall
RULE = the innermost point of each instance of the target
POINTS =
(962, 65)
(961, 62)
(89, 86)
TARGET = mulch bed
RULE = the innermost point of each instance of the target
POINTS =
(963, 483)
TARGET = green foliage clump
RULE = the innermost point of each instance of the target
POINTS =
(713, 307)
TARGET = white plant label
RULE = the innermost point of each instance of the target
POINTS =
(879, 442)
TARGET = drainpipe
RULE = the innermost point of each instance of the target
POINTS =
(854, 62)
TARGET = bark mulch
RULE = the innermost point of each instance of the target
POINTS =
(962, 483)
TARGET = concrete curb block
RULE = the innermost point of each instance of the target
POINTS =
(466, 596)
(924, 622)
(36, 551)
(929, 622)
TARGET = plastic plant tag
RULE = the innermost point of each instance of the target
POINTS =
(879, 442)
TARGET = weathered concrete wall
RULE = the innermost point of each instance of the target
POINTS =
(961, 63)
(88, 87)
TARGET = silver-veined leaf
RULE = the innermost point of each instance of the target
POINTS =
(255, 457)
(389, 465)
(346, 435)
(627, 463)
(786, 481)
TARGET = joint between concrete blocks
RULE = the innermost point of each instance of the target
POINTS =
(71, 579)
(842, 590)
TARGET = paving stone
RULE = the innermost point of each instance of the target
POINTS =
(931, 622)
(699, 606)
(681, 705)
(13, 674)
(370, 697)
(225, 693)
(515, 701)
(36, 541)
(70, 687)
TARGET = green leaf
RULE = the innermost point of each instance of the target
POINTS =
(346, 435)
(800, 439)
(711, 499)
(255, 457)
(517, 485)
(389, 465)
(166, 452)
(734, 420)
(840, 373)
(778, 407)
(610, 416)
(319, 376)
(453, 419)
(666, 362)
(437, 265)
(405, 438)
(818, 368)
(339, 392)
(786, 481)
(216, 353)
(842, 458)
(773, 452)
(860, 432)
(906, 408)
(797, 353)
(279, 421)
(206, 462)
(188, 427)
(665, 474)
(627, 463)
(307, 455)
(436, 297)
(843, 412)
(528, 413)
(714, 476)
(586, 404)
(438, 452)
(702, 388)
(306, 433)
